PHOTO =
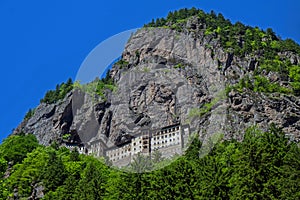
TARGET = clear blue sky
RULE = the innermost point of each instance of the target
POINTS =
(43, 43)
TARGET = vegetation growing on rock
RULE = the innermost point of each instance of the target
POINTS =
(29, 114)
(98, 86)
(241, 38)
(267, 49)
(52, 96)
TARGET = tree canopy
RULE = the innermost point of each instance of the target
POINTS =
(265, 165)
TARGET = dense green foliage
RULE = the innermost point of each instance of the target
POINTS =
(15, 148)
(259, 84)
(241, 40)
(52, 96)
(266, 165)
(98, 86)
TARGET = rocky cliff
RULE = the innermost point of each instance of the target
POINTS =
(169, 77)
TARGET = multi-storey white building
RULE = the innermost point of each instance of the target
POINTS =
(168, 140)
(120, 155)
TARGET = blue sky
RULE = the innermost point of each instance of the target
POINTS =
(43, 43)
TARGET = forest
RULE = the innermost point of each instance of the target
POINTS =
(265, 165)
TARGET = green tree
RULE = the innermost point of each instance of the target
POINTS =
(156, 156)
(294, 74)
(27, 173)
(52, 96)
(16, 147)
(93, 180)
(29, 114)
(53, 173)
(3, 188)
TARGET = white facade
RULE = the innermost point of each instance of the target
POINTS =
(119, 153)
(168, 140)
(80, 148)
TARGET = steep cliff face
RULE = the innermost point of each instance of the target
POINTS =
(169, 77)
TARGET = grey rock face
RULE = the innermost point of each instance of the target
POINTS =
(169, 74)
(49, 121)
(249, 108)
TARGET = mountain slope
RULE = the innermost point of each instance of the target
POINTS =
(180, 70)
(190, 68)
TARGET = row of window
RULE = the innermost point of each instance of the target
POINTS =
(166, 141)
(117, 152)
(169, 139)
(164, 144)
(165, 136)
(167, 131)
(111, 154)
